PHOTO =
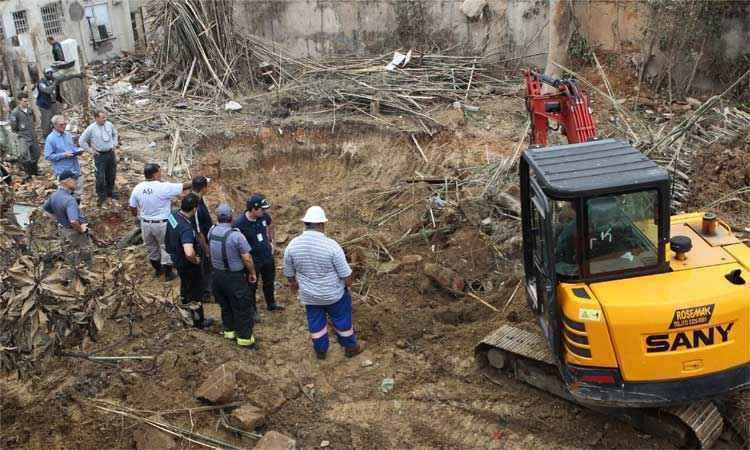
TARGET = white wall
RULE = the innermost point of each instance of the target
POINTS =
(119, 27)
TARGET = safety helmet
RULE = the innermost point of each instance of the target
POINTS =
(49, 72)
(315, 214)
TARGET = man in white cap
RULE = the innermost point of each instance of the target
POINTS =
(316, 268)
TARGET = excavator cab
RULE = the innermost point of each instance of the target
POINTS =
(591, 212)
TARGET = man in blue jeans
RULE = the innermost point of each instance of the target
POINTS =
(316, 268)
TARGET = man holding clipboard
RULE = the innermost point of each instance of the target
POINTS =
(62, 154)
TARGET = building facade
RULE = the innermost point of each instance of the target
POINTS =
(103, 28)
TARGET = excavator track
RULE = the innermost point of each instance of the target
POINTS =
(525, 356)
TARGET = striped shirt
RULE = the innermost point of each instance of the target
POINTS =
(319, 265)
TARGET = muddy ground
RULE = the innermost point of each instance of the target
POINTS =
(420, 335)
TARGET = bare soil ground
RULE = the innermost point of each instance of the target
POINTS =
(420, 335)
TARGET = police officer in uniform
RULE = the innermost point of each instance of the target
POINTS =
(233, 270)
(180, 243)
(254, 227)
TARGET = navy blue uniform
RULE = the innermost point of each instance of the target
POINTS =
(256, 233)
(180, 231)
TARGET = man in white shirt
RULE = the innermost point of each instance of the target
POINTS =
(151, 202)
(100, 138)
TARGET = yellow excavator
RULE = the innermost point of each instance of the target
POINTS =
(641, 315)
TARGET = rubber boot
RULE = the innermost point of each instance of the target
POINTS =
(199, 319)
(250, 343)
(157, 267)
(168, 272)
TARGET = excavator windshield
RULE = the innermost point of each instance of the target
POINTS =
(621, 232)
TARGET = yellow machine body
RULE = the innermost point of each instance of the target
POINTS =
(689, 322)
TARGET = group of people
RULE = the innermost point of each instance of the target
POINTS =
(231, 257)
(228, 258)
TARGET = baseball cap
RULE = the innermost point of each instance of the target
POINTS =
(200, 182)
(254, 202)
(65, 174)
(224, 211)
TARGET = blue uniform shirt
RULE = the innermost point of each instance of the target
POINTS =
(180, 231)
(256, 233)
(235, 246)
(55, 147)
(64, 207)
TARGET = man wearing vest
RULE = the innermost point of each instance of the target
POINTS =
(180, 242)
(255, 228)
(233, 270)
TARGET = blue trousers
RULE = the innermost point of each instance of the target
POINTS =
(341, 317)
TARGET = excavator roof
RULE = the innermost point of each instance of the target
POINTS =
(593, 168)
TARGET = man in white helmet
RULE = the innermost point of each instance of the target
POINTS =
(316, 268)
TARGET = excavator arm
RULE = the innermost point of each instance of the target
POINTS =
(568, 107)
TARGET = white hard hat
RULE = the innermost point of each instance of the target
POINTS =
(315, 214)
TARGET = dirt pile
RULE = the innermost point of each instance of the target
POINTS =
(721, 181)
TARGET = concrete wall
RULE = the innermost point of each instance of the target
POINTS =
(320, 27)
(34, 41)
(513, 27)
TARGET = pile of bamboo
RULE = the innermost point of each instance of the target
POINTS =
(200, 52)
(364, 85)
(198, 43)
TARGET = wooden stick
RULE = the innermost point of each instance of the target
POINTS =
(475, 297)
(419, 147)
(518, 285)
(190, 75)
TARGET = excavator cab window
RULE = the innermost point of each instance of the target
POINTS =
(621, 234)
(565, 228)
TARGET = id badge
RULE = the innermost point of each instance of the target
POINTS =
(260, 237)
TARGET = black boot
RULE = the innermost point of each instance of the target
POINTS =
(157, 267)
(168, 272)
(199, 319)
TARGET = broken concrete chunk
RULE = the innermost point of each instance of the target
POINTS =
(473, 8)
(150, 438)
(231, 105)
(275, 441)
(220, 385)
(247, 417)
(446, 278)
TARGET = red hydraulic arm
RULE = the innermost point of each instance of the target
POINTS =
(569, 107)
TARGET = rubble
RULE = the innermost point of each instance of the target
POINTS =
(219, 386)
(148, 437)
(275, 441)
(247, 417)
(447, 278)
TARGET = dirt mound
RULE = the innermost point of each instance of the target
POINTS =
(721, 181)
